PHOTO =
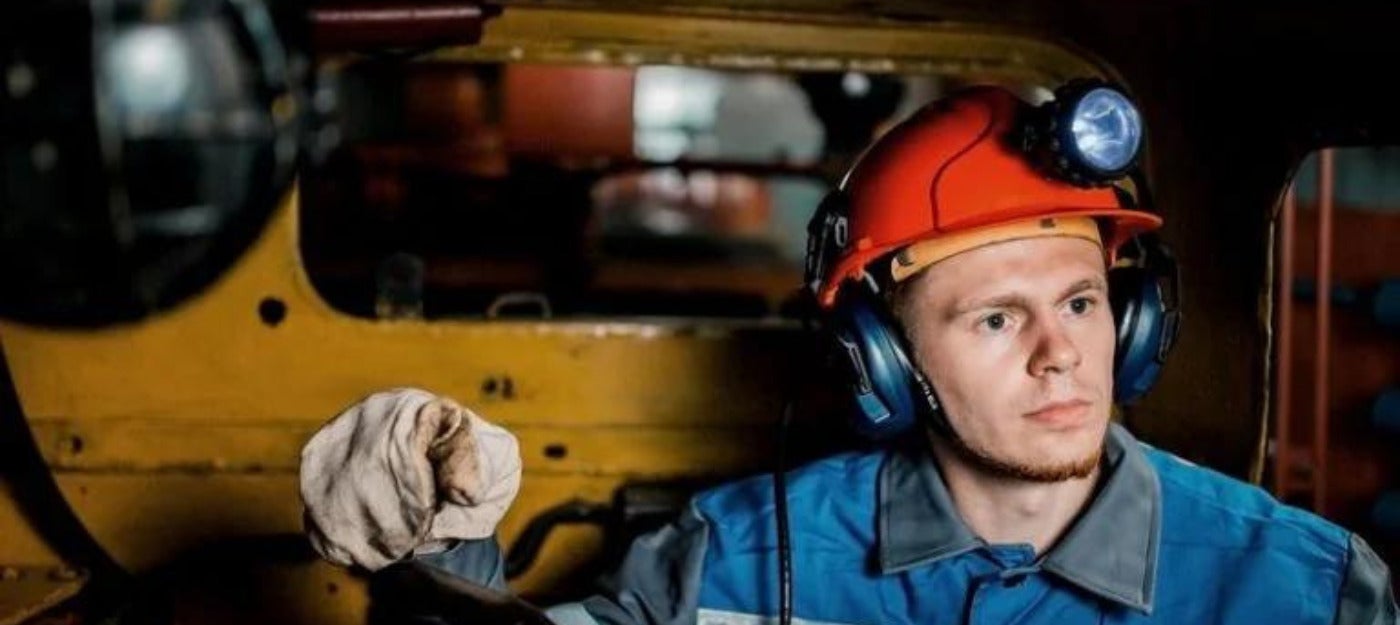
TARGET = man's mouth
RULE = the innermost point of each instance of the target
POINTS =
(1061, 414)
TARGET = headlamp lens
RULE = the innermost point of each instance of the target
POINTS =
(1107, 129)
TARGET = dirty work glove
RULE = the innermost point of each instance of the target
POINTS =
(404, 471)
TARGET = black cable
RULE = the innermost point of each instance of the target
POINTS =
(808, 317)
(826, 232)
(784, 536)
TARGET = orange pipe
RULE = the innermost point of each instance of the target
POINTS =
(1283, 458)
(1322, 377)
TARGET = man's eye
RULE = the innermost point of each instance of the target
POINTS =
(994, 322)
(1081, 305)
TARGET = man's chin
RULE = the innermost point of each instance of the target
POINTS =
(1047, 473)
(1042, 472)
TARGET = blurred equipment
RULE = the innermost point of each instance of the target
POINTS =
(851, 107)
(1386, 514)
(1381, 301)
(1385, 412)
(145, 144)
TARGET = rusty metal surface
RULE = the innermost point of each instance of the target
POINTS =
(25, 591)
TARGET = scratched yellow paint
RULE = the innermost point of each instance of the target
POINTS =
(838, 41)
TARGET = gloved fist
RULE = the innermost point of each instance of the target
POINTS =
(443, 435)
(404, 471)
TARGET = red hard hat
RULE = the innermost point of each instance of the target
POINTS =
(950, 168)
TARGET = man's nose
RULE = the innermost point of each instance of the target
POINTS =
(1054, 352)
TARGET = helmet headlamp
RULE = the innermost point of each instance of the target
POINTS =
(1090, 134)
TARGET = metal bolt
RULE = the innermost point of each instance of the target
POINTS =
(44, 155)
(19, 79)
(284, 108)
(324, 101)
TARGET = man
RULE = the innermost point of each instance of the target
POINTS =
(1015, 499)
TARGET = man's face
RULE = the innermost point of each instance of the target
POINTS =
(1017, 339)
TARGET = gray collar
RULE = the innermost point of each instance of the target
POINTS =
(1111, 551)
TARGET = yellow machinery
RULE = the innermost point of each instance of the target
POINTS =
(177, 436)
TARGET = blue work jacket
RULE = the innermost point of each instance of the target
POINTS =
(876, 540)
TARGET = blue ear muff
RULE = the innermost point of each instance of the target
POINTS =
(1137, 314)
(1146, 315)
(889, 391)
(891, 394)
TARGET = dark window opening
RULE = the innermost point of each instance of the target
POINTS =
(552, 191)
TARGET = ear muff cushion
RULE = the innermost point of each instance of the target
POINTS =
(1139, 318)
(887, 398)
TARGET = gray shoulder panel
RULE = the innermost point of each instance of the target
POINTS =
(1366, 597)
(659, 581)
